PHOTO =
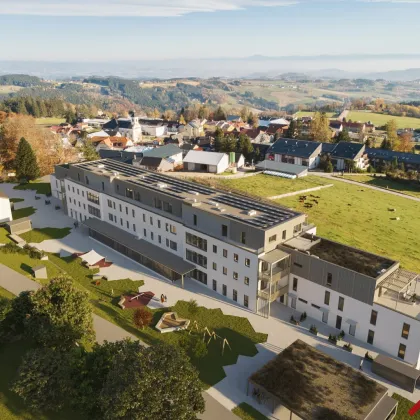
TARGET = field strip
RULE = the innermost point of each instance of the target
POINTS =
(275, 197)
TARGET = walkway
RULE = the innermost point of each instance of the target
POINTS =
(276, 197)
(230, 391)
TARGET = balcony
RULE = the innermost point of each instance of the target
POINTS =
(274, 276)
(275, 294)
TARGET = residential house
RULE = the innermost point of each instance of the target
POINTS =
(153, 127)
(103, 133)
(212, 162)
(234, 118)
(95, 122)
(378, 157)
(347, 151)
(336, 126)
(170, 151)
(5, 208)
(154, 163)
(297, 152)
(194, 128)
(127, 127)
(354, 127)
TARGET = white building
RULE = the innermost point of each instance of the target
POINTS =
(5, 208)
(126, 127)
(200, 161)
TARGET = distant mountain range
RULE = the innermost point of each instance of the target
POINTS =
(392, 67)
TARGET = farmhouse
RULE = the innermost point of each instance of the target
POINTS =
(206, 162)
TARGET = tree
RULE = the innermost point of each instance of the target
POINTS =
(244, 113)
(343, 136)
(386, 144)
(60, 315)
(70, 116)
(291, 132)
(253, 119)
(182, 120)
(43, 379)
(405, 143)
(350, 165)
(16, 316)
(203, 112)
(220, 114)
(157, 382)
(329, 167)
(218, 139)
(320, 128)
(229, 144)
(25, 163)
(142, 318)
(89, 152)
(391, 133)
(245, 146)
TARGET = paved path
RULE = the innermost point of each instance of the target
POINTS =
(275, 197)
(231, 391)
(372, 187)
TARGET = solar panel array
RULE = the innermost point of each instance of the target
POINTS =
(266, 216)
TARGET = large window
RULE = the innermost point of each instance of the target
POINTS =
(243, 237)
(246, 301)
(295, 284)
(235, 295)
(110, 203)
(329, 279)
(196, 241)
(224, 230)
(373, 317)
(199, 276)
(94, 211)
(196, 258)
(340, 303)
(327, 297)
(401, 351)
(167, 207)
(371, 336)
(93, 198)
(405, 330)
(158, 203)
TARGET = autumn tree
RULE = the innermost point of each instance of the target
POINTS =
(203, 112)
(169, 114)
(142, 318)
(320, 128)
(405, 142)
(25, 162)
(253, 119)
(391, 133)
(244, 113)
(291, 132)
(182, 120)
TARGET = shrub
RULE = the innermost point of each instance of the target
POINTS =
(368, 356)
(142, 318)
(348, 346)
(199, 348)
(313, 329)
(328, 167)
(192, 306)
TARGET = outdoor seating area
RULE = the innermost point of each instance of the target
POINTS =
(170, 322)
(93, 260)
(139, 300)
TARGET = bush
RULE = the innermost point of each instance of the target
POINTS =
(199, 348)
(348, 347)
(303, 316)
(328, 167)
(192, 306)
(142, 318)
(313, 329)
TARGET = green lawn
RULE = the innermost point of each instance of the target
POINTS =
(381, 119)
(49, 121)
(16, 200)
(6, 294)
(3, 236)
(409, 189)
(24, 212)
(301, 114)
(403, 406)
(360, 217)
(247, 412)
(269, 186)
(39, 235)
(39, 187)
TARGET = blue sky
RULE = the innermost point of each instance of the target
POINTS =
(108, 30)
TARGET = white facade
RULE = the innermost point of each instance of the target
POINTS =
(356, 318)
(311, 163)
(5, 209)
(154, 130)
(237, 271)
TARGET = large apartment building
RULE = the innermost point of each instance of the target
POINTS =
(252, 252)
(179, 228)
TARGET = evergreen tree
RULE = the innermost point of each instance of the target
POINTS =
(218, 139)
(220, 114)
(343, 136)
(291, 132)
(386, 144)
(25, 162)
(391, 133)
(229, 144)
(89, 152)
(245, 146)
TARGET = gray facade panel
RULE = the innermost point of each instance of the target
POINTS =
(346, 282)
(317, 273)
(364, 288)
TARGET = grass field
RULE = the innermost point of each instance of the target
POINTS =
(382, 182)
(403, 406)
(5, 89)
(16, 200)
(3, 236)
(301, 114)
(49, 121)
(38, 187)
(247, 412)
(351, 214)
(24, 212)
(381, 119)
(39, 235)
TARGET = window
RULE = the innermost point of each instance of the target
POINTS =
(235, 295)
(247, 262)
(235, 257)
(315, 306)
(235, 275)
(137, 196)
(70, 199)
(173, 245)
(329, 279)
(128, 225)
(297, 228)
(401, 351)
(145, 233)
(215, 249)
(126, 210)
(167, 207)
(120, 208)
(152, 236)
(195, 220)
(110, 217)
(243, 237)
(272, 238)
(295, 284)
(144, 218)
(225, 271)
(133, 214)
(225, 253)
(103, 186)
(159, 224)
(78, 177)
(158, 203)
(298, 265)
(94, 211)
(118, 187)
(283, 235)
(129, 193)
(302, 300)
(93, 198)
(340, 303)
(83, 193)
(87, 180)
(68, 186)
(246, 301)
(371, 336)
(373, 317)
(166, 227)
(405, 330)
(196, 258)
(327, 297)
(151, 221)
(160, 239)
(246, 281)
(224, 290)
(352, 329)
(114, 204)
(214, 266)
(215, 285)
(224, 230)
(325, 317)
(196, 241)
(78, 192)
(121, 221)
(110, 203)
(172, 229)
(134, 227)
(338, 322)
(84, 206)
(199, 276)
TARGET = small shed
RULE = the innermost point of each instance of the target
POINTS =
(40, 272)
(397, 372)
(18, 226)
(282, 169)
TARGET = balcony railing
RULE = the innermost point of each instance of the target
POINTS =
(276, 275)
(265, 294)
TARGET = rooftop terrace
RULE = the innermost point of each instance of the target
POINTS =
(342, 255)
(232, 206)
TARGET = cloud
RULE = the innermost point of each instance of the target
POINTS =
(146, 8)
